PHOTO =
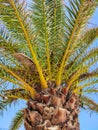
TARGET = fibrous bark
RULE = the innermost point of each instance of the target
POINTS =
(54, 109)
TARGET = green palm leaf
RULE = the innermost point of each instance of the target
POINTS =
(43, 46)
(15, 12)
(17, 121)
(16, 94)
(5, 102)
(81, 12)
(88, 38)
(90, 103)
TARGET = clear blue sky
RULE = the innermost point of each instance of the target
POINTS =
(87, 122)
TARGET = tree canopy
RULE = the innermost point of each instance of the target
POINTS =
(47, 43)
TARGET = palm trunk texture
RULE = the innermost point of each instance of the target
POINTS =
(52, 109)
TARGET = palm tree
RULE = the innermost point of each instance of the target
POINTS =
(46, 54)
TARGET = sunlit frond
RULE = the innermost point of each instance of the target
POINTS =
(5, 102)
(91, 90)
(17, 93)
(85, 62)
(88, 83)
(25, 85)
(47, 17)
(79, 13)
(17, 121)
(91, 105)
(84, 43)
(88, 75)
(8, 42)
(19, 19)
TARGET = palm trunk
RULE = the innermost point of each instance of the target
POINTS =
(56, 110)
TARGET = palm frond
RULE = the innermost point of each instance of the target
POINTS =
(25, 85)
(15, 13)
(17, 121)
(8, 42)
(85, 62)
(26, 61)
(46, 35)
(21, 65)
(87, 84)
(10, 80)
(47, 22)
(87, 75)
(5, 102)
(91, 105)
(84, 43)
(16, 93)
(79, 13)
(92, 90)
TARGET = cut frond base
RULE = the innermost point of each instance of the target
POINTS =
(52, 110)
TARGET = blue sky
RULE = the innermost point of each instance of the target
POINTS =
(87, 122)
